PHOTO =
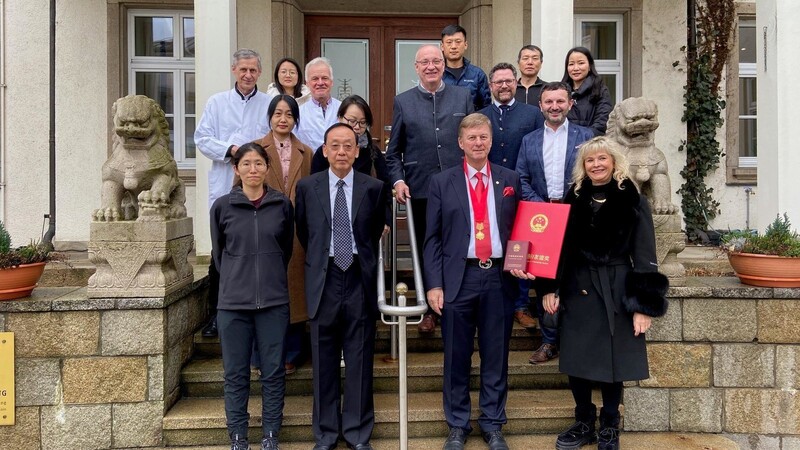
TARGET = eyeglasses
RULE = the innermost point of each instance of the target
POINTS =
(502, 82)
(353, 122)
(259, 165)
(288, 72)
(427, 62)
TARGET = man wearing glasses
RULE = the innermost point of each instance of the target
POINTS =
(424, 140)
(511, 121)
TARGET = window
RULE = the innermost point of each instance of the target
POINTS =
(602, 35)
(747, 94)
(161, 56)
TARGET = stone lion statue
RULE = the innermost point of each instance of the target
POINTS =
(140, 178)
(632, 124)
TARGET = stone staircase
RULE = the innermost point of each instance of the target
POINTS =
(539, 402)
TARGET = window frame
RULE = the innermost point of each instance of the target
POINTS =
(178, 65)
(738, 170)
(616, 66)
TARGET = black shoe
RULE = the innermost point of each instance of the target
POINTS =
(576, 436)
(608, 437)
(270, 442)
(365, 446)
(495, 440)
(210, 330)
(239, 442)
(456, 439)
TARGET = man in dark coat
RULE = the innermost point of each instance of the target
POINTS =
(471, 211)
(511, 121)
(424, 140)
(340, 218)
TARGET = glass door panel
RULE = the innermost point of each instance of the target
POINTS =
(350, 61)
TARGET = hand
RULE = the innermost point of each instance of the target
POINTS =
(234, 149)
(436, 299)
(550, 303)
(401, 192)
(386, 230)
(641, 323)
(522, 274)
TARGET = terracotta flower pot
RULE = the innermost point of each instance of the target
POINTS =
(766, 270)
(18, 282)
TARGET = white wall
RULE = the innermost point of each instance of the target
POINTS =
(27, 119)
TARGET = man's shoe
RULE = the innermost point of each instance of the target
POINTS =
(270, 442)
(456, 439)
(523, 317)
(495, 440)
(428, 324)
(239, 442)
(543, 354)
(366, 446)
(290, 368)
(576, 436)
(210, 330)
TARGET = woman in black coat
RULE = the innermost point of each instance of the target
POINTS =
(607, 290)
(252, 232)
(590, 94)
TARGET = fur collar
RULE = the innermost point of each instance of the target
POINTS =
(603, 235)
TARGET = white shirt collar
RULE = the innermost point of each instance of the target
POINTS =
(333, 179)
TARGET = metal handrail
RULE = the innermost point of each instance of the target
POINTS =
(401, 312)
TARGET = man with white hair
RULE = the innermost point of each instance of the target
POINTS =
(320, 113)
(230, 119)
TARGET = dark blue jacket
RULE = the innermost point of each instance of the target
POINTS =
(530, 163)
(509, 128)
(473, 78)
(424, 139)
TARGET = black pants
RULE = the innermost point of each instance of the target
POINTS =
(343, 324)
(238, 331)
(481, 304)
(582, 393)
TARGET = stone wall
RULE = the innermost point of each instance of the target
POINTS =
(725, 359)
(98, 373)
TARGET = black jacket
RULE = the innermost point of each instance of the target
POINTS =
(591, 111)
(251, 248)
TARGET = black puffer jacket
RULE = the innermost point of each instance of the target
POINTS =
(251, 248)
(591, 111)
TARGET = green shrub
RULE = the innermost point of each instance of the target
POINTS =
(778, 240)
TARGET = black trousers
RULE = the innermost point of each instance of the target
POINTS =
(238, 332)
(343, 324)
(582, 393)
(481, 305)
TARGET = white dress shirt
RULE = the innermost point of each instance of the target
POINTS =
(229, 119)
(554, 155)
(333, 179)
(313, 122)
(494, 232)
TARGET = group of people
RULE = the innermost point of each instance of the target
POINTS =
(298, 207)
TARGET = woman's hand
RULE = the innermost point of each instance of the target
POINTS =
(522, 274)
(641, 323)
(550, 303)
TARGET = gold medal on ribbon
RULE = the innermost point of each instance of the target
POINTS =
(479, 235)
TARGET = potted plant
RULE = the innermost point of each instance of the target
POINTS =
(20, 267)
(771, 259)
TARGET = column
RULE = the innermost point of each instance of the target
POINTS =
(215, 43)
(507, 36)
(552, 31)
(778, 97)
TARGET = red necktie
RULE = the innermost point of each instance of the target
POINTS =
(483, 240)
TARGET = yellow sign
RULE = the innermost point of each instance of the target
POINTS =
(6, 378)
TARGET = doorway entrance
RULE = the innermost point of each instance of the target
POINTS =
(372, 57)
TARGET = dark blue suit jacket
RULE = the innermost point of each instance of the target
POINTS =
(530, 163)
(313, 221)
(508, 130)
(449, 228)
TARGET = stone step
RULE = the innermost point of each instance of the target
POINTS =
(204, 377)
(521, 340)
(628, 441)
(201, 421)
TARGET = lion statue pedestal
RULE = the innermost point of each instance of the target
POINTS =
(632, 124)
(140, 236)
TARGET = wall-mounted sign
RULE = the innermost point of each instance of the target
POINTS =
(6, 378)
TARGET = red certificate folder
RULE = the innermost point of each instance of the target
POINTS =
(543, 225)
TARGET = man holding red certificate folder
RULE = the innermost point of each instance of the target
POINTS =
(470, 214)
